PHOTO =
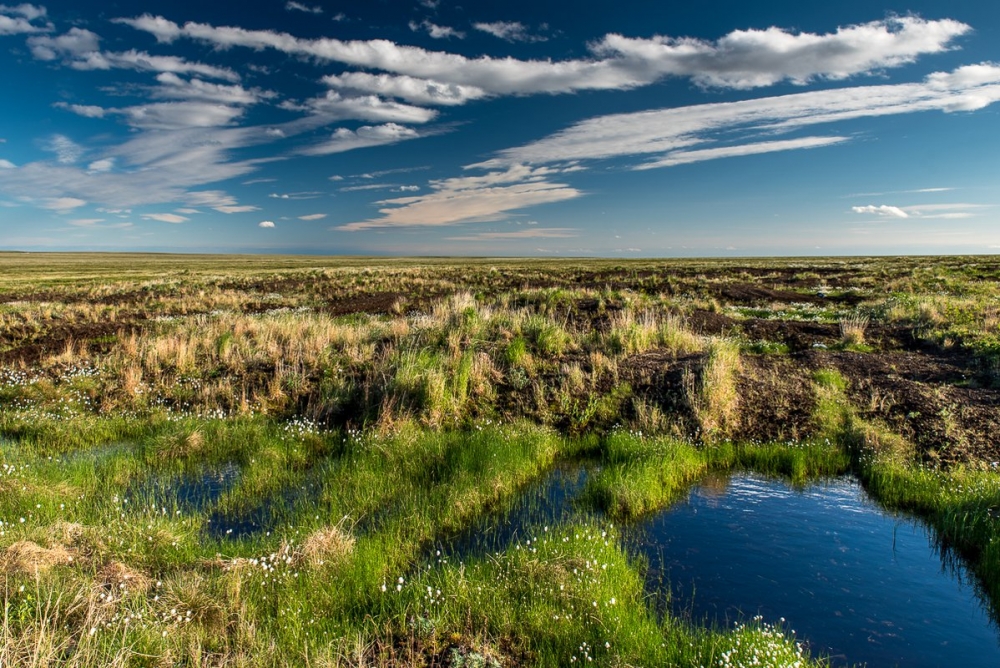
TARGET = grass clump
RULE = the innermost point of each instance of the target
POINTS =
(714, 397)
(642, 474)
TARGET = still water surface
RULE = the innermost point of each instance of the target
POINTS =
(859, 584)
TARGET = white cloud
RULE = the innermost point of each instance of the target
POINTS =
(30, 12)
(80, 49)
(368, 186)
(63, 204)
(7, 164)
(173, 87)
(187, 211)
(245, 208)
(511, 31)
(86, 110)
(336, 177)
(333, 107)
(471, 199)
(741, 59)
(407, 189)
(85, 222)
(20, 20)
(105, 165)
(884, 210)
(678, 134)
(67, 151)
(385, 172)
(218, 200)
(265, 224)
(291, 5)
(418, 91)
(296, 196)
(684, 157)
(533, 233)
(436, 31)
(752, 58)
(179, 115)
(313, 216)
(366, 136)
(166, 217)
(165, 31)
(939, 211)
(74, 44)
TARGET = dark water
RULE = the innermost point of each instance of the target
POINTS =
(268, 514)
(859, 584)
(188, 493)
(544, 503)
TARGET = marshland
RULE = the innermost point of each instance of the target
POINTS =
(285, 461)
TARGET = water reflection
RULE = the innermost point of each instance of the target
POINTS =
(862, 585)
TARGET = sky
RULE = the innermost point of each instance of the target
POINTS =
(640, 128)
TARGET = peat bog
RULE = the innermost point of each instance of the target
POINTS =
(270, 461)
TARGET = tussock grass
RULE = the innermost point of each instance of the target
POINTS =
(714, 397)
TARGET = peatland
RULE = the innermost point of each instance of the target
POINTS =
(248, 461)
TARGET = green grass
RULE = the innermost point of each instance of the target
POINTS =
(142, 572)
(362, 439)
(642, 475)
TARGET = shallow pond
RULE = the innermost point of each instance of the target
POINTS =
(859, 584)
(188, 493)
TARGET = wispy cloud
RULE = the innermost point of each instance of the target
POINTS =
(939, 211)
(219, 201)
(411, 89)
(166, 217)
(63, 204)
(333, 107)
(344, 139)
(80, 49)
(884, 211)
(684, 157)
(313, 216)
(436, 31)
(293, 6)
(532, 233)
(368, 186)
(67, 151)
(311, 194)
(706, 131)
(99, 166)
(471, 199)
(511, 31)
(741, 59)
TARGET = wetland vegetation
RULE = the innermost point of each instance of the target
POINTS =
(266, 461)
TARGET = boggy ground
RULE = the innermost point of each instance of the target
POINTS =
(917, 339)
(343, 398)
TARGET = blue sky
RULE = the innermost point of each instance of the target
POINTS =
(627, 129)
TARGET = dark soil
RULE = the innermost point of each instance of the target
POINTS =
(18, 347)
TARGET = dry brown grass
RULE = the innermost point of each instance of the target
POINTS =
(852, 330)
(327, 546)
(30, 558)
(715, 399)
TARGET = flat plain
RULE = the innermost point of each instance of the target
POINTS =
(246, 460)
